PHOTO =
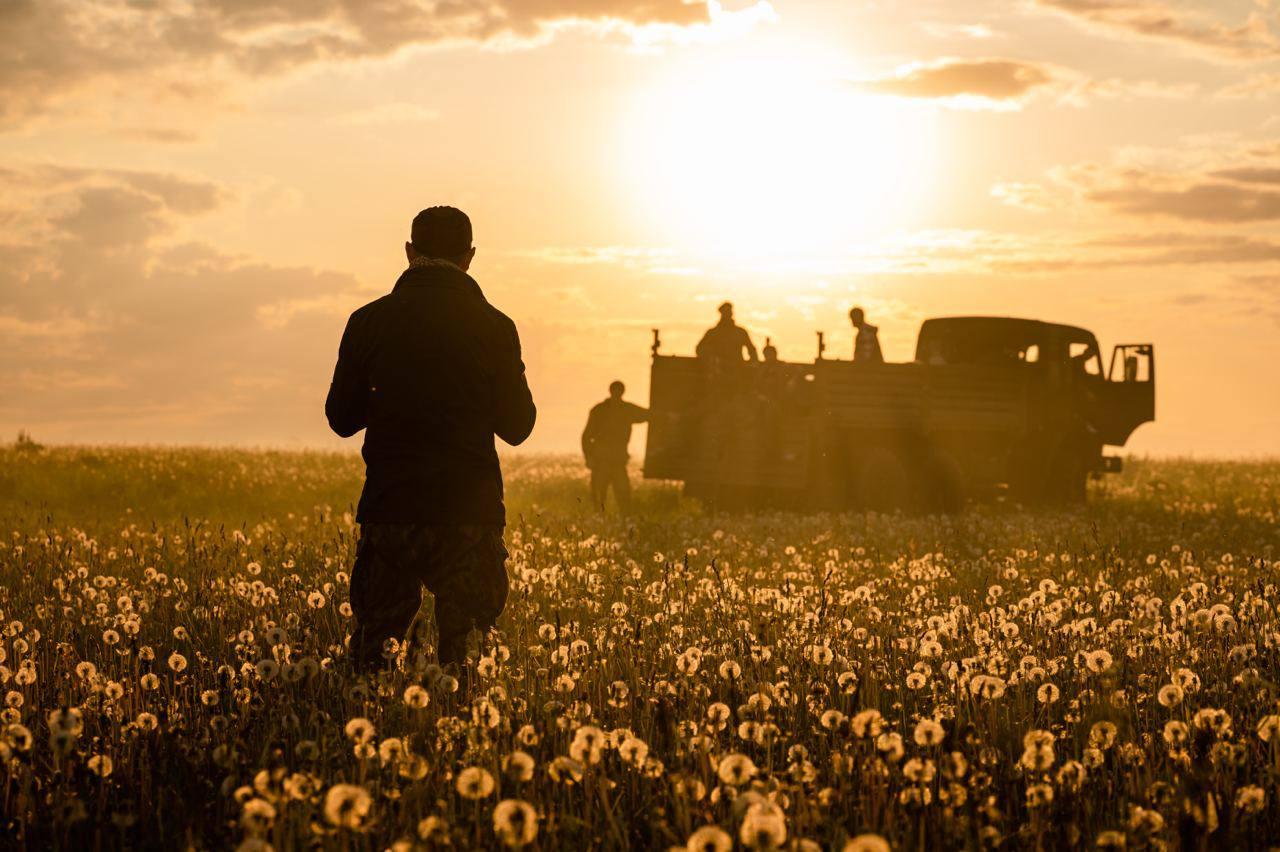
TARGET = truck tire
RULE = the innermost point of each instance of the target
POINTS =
(1067, 475)
(883, 481)
(943, 490)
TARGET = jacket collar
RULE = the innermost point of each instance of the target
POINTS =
(439, 275)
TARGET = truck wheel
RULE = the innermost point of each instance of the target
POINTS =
(1067, 476)
(943, 485)
(884, 482)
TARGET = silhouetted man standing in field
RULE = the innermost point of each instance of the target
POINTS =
(725, 341)
(866, 348)
(604, 446)
(434, 372)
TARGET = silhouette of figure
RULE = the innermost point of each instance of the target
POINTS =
(725, 341)
(431, 512)
(866, 349)
(770, 352)
(604, 446)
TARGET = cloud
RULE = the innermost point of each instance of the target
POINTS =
(1256, 86)
(949, 252)
(55, 47)
(943, 30)
(392, 113)
(1218, 179)
(113, 323)
(1115, 88)
(1025, 196)
(1200, 202)
(1055, 254)
(162, 135)
(1050, 252)
(1250, 174)
(1253, 39)
(1174, 249)
(989, 83)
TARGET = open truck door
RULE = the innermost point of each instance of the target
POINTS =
(1129, 393)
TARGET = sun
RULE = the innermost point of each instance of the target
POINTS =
(773, 155)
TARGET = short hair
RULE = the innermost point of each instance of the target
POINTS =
(442, 232)
(617, 386)
(725, 308)
(857, 312)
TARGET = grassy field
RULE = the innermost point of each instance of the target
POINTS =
(171, 650)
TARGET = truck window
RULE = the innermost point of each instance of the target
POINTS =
(1086, 356)
(1031, 354)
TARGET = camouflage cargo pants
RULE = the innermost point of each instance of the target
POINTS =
(464, 568)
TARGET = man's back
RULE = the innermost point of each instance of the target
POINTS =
(434, 372)
(866, 349)
(609, 430)
(725, 342)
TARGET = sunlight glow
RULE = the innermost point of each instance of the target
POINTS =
(773, 156)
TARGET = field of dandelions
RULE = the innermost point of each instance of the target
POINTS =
(173, 672)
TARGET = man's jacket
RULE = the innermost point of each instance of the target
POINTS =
(866, 349)
(433, 372)
(604, 441)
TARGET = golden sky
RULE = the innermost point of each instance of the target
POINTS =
(194, 195)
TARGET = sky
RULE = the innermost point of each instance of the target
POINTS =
(195, 195)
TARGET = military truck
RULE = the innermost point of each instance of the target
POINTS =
(990, 406)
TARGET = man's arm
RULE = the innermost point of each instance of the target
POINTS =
(514, 412)
(751, 347)
(347, 406)
(637, 413)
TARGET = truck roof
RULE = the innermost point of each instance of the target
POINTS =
(979, 324)
(963, 339)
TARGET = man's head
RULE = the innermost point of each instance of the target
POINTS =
(441, 233)
(857, 317)
(726, 312)
(616, 390)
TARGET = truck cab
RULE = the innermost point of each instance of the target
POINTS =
(1112, 401)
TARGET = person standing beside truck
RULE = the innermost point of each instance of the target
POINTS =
(604, 446)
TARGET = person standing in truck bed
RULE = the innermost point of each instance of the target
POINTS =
(866, 348)
(725, 341)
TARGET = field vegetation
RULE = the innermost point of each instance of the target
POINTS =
(173, 673)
